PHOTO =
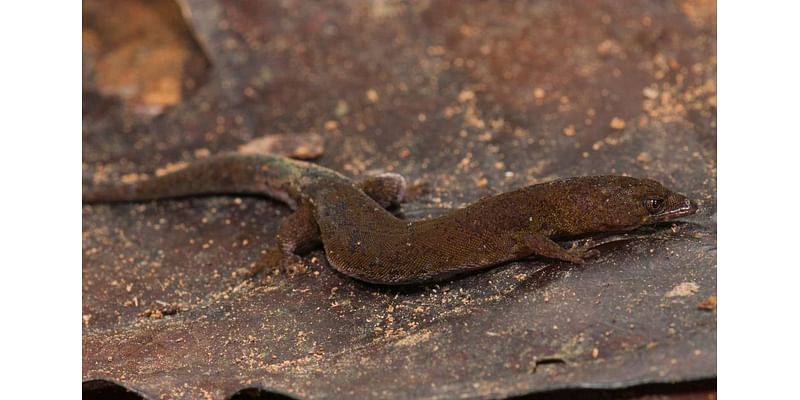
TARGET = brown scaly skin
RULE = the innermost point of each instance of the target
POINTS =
(366, 242)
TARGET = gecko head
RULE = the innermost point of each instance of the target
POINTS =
(621, 203)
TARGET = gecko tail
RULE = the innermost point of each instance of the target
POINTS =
(226, 174)
(144, 189)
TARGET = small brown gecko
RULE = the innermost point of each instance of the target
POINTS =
(365, 241)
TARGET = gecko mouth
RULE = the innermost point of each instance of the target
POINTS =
(686, 207)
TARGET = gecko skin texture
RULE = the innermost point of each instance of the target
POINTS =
(365, 241)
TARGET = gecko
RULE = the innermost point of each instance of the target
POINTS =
(365, 241)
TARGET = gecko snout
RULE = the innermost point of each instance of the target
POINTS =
(686, 207)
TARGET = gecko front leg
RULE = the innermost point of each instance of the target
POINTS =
(540, 245)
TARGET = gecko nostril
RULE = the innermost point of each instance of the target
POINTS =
(693, 207)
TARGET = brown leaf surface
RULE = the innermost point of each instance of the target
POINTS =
(470, 98)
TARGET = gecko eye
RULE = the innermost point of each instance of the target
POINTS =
(654, 205)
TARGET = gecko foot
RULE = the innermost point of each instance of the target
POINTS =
(582, 251)
(293, 264)
(274, 262)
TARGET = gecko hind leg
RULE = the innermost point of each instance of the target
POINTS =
(297, 233)
(387, 189)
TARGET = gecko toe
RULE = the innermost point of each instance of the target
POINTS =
(591, 253)
(293, 264)
(574, 257)
(578, 255)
